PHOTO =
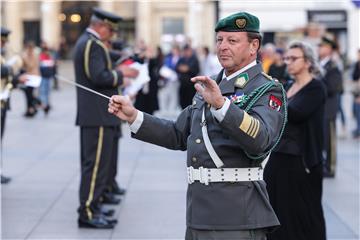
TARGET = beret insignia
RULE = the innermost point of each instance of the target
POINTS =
(240, 22)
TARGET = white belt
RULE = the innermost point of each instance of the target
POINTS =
(206, 175)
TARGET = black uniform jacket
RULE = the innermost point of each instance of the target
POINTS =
(94, 69)
(333, 82)
(224, 206)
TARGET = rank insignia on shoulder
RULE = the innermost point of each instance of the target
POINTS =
(267, 76)
(241, 80)
(275, 103)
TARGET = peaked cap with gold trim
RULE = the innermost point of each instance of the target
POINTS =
(107, 17)
(239, 22)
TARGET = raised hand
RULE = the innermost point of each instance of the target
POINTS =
(122, 107)
(210, 91)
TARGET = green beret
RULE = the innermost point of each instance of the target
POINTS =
(239, 22)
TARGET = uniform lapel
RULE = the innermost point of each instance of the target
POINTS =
(228, 86)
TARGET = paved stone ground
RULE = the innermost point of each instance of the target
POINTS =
(42, 157)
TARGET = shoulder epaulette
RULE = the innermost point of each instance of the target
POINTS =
(267, 76)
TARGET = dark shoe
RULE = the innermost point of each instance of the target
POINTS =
(47, 109)
(115, 189)
(118, 191)
(107, 212)
(108, 198)
(112, 220)
(327, 174)
(5, 180)
(30, 113)
(98, 222)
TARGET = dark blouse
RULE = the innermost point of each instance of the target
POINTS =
(303, 135)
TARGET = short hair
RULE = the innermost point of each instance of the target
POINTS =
(309, 55)
(254, 35)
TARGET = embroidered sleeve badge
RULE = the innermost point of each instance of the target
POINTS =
(275, 103)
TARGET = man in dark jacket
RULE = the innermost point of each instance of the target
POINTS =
(8, 81)
(333, 81)
(186, 68)
(99, 130)
(232, 125)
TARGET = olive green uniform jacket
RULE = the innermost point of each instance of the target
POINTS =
(224, 206)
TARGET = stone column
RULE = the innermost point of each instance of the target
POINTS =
(195, 19)
(201, 22)
(353, 33)
(143, 21)
(13, 22)
(50, 23)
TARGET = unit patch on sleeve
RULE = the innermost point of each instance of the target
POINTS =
(275, 103)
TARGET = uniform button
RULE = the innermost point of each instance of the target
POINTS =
(198, 140)
(194, 102)
(208, 105)
(194, 159)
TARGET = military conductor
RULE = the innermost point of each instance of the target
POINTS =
(232, 125)
(98, 129)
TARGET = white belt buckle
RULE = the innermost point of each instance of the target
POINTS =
(203, 175)
(190, 174)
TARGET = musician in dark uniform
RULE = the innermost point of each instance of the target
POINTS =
(229, 130)
(99, 130)
(333, 82)
(8, 81)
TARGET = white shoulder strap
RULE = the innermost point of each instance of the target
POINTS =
(208, 144)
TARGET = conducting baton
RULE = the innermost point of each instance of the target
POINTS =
(80, 86)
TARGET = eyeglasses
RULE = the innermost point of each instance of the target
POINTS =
(290, 59)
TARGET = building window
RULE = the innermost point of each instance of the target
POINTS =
(172, 33)
(173, 26)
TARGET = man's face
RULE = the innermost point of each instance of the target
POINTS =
(234, 50)
(106, 32)
(324, 50)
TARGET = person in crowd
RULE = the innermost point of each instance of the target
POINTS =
(293, 173)
(333, 81)
(313, 34)
(356, 93)
(47, 62)
(169, 82)
(209, 64)
(186, 68)
(230, 128)
(278, 68)
(267, 56)
(337, 58)
(31, 67)
(9, 80)
(99, 131)
(140, 52)
(147, 97)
